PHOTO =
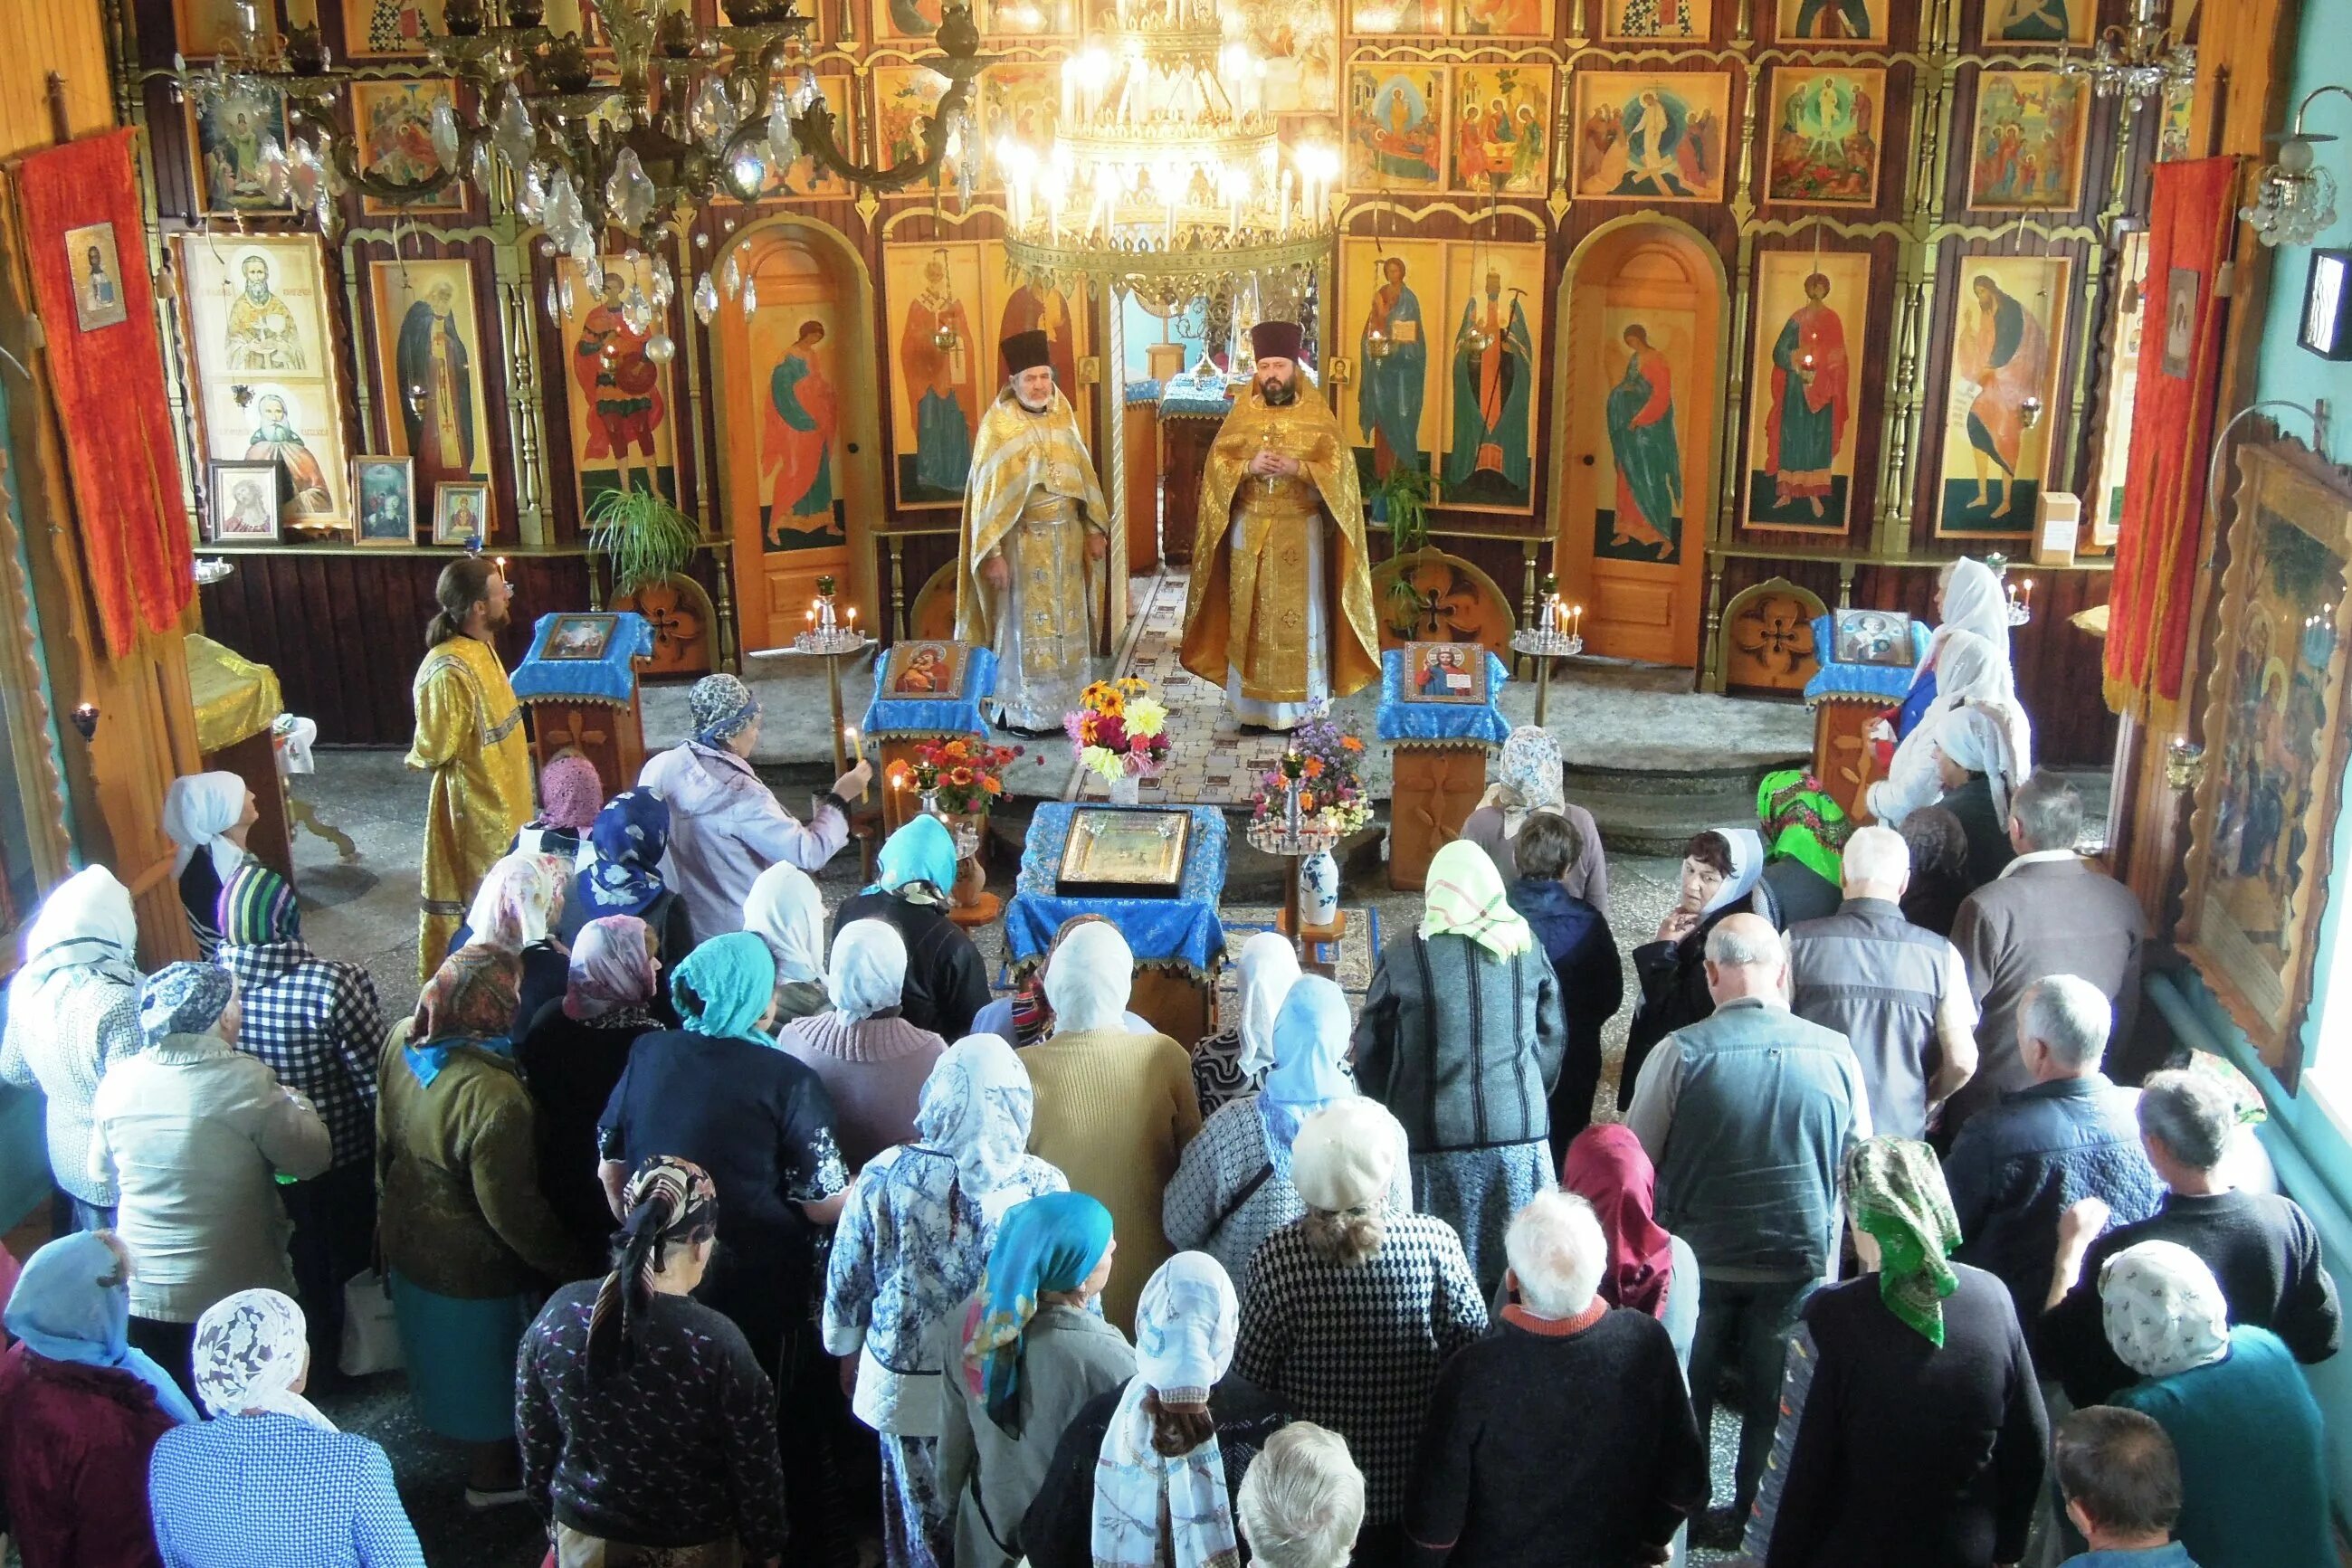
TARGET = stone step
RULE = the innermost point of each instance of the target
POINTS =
(1641, 813)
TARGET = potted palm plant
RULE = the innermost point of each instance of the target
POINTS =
(645, 538)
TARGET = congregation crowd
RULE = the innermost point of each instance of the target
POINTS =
(693, 1209)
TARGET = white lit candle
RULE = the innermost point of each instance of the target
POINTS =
(1575, 620)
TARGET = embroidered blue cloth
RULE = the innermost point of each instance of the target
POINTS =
(1182, 930)
(1201, 397)
(934, 715)
(1433, 723)
(1837, 680)
(609, 678)
(1142, 391)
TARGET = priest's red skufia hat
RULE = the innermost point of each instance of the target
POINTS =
(1276, 339)
(1026, 351)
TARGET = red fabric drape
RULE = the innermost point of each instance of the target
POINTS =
(109, 385)
(2189, 230)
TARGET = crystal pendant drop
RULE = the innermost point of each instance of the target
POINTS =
(569, 298)
(730, 278)
(565, 221)
(784, 148)
(443, 132)
(531, 192)
(713, 118)
(592, 265)
(554, 305)
(513, 135)
(664, 281)
(274, 173)
(747, 173)
(705, 299)
(637, 311)
(659, 348)
(628, 195)
(481, 165)
(304, 175)
(751, 297)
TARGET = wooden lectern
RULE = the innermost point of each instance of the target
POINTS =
(579, 684)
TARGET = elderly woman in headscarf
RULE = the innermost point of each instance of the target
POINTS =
(1462, 1037)
(1650, 1270)
(1969, 598)
(1114, 1109)
(912, 1245)
(570, 791)
(649, 1430)
(871, 1058)
(1856, 1475)
(1349, 1311)
(1023, 1017)
(73, 1008)
(1529, 784)
(947, 983)
(1722, 875)
(1234, 1188)
(1023, 1358)
(219, 1489)
(622, 875)
(728, 827)
(572, 1056)
(1148, 1473)
(207, 815)
(785, 911)
(1980, 772)
(1804, 835)
(1940, 868)
(1233, 1062)
(1969, 672)
(466, 1234)
(520, 908)
(2254, 1467)
(84, 1409)
(196, 1132)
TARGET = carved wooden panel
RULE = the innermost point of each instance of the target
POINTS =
(1437, 787)
(1767, 638)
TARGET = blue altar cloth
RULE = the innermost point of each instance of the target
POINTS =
(1881, 681)
(610, 679)
(1184, 931)
(934, 716)
(1440, 723)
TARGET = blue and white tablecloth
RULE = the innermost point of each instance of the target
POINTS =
(1183, 932)
(610, 679)
(1440, 724)
(934, 716)
(1884, 682)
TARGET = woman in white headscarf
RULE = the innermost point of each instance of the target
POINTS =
(73, 1008)
(913, 1241)
(517, 910)
(1980, 772)
(1114, 1109)
(1233, 1062)
(1529, 782)
(218, 1490)
(2253, 1477)
(1722, 875)
(207, 816)
(785, 911)
(1233, 1188)
(873, 1061)
(1969, 670)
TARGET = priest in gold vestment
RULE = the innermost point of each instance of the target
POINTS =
(1279, 610)
(1036, 533)
(469, 738)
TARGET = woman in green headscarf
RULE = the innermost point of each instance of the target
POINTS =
(1804, 843)
(947, 983)
(1912, 1429)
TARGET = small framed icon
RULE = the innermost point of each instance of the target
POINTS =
(579, 637)
(461, 511)
(384, 500)
(241, 502)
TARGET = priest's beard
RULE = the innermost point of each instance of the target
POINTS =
(1041, 406)
(1278, 394)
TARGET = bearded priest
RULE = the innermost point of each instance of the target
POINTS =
(1035, 535)
(1280, 548)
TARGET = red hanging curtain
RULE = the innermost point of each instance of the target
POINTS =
(2189, 229)
(112, 410)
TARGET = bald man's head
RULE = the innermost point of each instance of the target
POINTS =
(1745, 957)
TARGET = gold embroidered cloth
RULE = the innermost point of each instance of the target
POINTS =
(469, 736)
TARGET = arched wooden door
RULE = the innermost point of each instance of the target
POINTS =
(800, 443)
(1642, 365)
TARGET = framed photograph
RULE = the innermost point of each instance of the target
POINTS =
(1115, 851)
(2326, 324)
(2276, 743)
(2026, 154)
(461, 510)
(1445, 672)
(1653, 136)
(385, 492)
(579, 637)
(96, 270)
(920, 670)
(241, 502)
(1870, 637)
(1825, 146)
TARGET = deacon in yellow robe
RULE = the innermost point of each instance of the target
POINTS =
(1279, 609)
(469, 738)
(1036, 533)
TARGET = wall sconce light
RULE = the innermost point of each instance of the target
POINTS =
(2295, 198)
(2184, 764)
(85, 721)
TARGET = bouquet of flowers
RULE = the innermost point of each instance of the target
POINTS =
(1119, 728)
(965, 774)
(1321, 766)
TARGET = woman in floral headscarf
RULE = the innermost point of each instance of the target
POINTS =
(1529, 782)
(1804, 835)
(912, 1244)
(622, 876)
(1856, 1475)
(517, 909)
(569, 791)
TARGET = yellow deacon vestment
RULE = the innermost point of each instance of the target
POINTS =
(469, 736)
(1033, 496)
(1258, 614)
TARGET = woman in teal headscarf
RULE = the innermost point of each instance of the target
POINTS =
(727, 988)
(947, 983)
(1023, 1357)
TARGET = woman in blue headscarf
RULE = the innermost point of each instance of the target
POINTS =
(947, 983)
(1025, 1355)
(623, 876)
(1233, 1188)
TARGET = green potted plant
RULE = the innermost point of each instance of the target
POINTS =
(647, 538)
(1402, 500)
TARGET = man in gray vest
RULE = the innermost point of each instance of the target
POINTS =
(1898, 994)
(1747, 1116)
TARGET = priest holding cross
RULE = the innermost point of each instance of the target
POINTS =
(1281, 549)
